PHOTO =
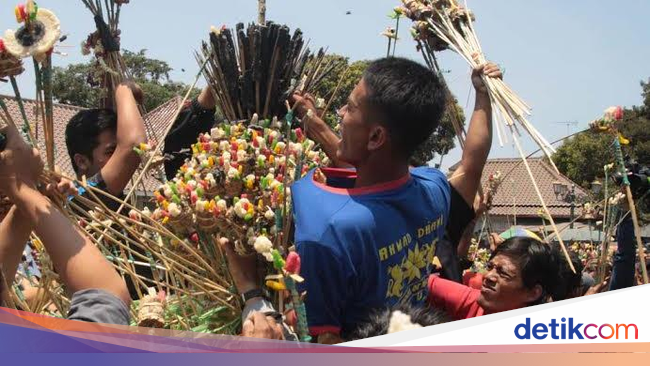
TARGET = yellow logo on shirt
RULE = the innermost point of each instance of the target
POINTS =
(408, 279)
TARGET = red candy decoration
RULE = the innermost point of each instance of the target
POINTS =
(292, 264)
(618, 115)
(194, 237)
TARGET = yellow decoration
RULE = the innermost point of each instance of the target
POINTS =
(276, 285)
(623, 140)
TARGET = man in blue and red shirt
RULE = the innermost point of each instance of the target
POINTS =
(367, 236)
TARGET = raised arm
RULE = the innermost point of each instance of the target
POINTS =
(130, 132)
(79, 263)
(316, 129)
(467, 177)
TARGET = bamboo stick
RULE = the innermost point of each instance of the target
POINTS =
(541, 198)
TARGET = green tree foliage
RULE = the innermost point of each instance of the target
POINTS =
(72, 84)
(582, 157)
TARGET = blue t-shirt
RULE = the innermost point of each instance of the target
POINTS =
(366, 248)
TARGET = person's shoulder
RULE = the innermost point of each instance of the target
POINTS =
(432, 181)
(430, 175)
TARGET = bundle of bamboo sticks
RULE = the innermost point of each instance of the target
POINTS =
(255, 69)
(104, 43)
(444, 24)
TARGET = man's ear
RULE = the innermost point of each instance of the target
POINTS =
(534, 294)
(82, 163)
(378, 137)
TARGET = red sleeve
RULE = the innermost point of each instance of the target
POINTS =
(458, 300)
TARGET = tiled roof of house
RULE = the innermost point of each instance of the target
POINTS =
(157, 122)
(517, 194)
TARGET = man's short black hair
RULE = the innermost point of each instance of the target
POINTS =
(380, 320)
(409, 98)
(83, 130)
(537, 262)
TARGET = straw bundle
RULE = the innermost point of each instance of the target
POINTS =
(444, 24)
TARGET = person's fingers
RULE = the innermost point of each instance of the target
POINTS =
(262, 326)
(226, 246)
(310, 98)
(50, 189)
(296, 97)
(276, 328)
(248, 328)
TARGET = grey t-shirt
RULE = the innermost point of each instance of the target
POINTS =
(98, 306)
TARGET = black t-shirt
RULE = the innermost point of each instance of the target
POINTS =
(460, 215)
(145, 272)
(192, 121)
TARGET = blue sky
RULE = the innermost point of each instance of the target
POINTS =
(568, 59)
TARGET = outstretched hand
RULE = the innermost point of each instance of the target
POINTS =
(61, 186)
(136, 90)
(302, 103)
(490, 70)
(242, 269)
(261, 326)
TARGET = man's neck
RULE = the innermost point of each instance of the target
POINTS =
(370, 174)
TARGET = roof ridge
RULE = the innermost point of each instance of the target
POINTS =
(29, 100)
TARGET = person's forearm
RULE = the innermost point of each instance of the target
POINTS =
(14, 233)
(130, 125)
(479, 136)
(466, 240)
(79, 263)
(320, 132)
(467, 177)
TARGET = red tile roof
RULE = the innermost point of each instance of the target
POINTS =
(157, 121)
(517, 193)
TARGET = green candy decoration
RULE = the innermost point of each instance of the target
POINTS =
(176, 200)
(278, 262)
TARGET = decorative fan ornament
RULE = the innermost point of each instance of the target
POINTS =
(38, 34)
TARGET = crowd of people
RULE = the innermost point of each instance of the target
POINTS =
(367, 229)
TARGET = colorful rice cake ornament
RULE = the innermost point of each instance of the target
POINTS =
(234, 183)
(38, 34)
(10, 66)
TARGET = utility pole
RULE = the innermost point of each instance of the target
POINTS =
(261, 12)
(572, 197)
(568, 125)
